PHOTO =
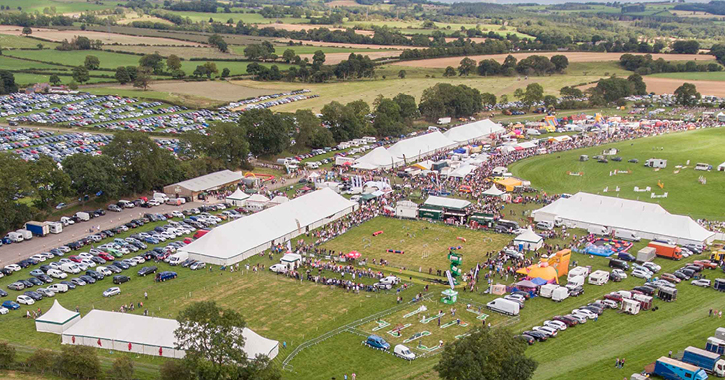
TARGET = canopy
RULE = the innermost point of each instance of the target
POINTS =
(353, 255)
(526, 284)
(463, 134)
(509, 183)
(57, 319)
(493, 192)
(414, 148)
(539, 281)
(238, 195)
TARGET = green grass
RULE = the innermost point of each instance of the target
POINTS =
(17, 42)
(7, 62)
(65, 6)
(685, 194)
(109, 60)
(24, 79)
(247, 18)
(714, 76)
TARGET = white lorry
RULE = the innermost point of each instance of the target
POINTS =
(626, 235)
(504, 306)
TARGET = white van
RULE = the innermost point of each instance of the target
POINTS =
(626, 235)
(70, 268)
(403, 352)
(504, 306)
(313, 165)
(575, 281)
(547, 290)
(55, 273)
(58, 288)
(597, 230)
(545, 225)
(559, 294)
(578, 271)
(27, 235)
(161, 197)
(14, 237)
(177, 258)
(66, 221)
(55, 227)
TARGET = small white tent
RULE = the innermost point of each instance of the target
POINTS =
(406, 209)
(57, 319)
(529, 240)
(237, 198)
(721, 167)
(493, 192)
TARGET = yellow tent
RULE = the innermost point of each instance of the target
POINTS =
(509, 183)
(542, 270)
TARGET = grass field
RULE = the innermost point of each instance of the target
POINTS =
(685, 194)
(67, 6)
(247, 18)
(192, 101)
(16, 42)
(714, 76)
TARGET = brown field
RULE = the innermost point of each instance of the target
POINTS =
(343, 3)
(217, 90)
(668, 86)
(573, 57)
(353, 46)
(473, 39)
(107, 38)
(183, 52)
(335, 58)
(130, 19)
(298, 27)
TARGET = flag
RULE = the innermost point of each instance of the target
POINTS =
(99, 342)
(450, 279)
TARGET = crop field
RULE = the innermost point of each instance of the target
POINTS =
(107, 38)
(184, 52)
(347, 45)
(247, 18)
(574, 57)
(706, 83)
(685, 194)
(218, 90)
(8, 41)
(407, 27)
(61, 6)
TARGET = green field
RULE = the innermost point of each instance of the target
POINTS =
(247, 18)
(17, 42)
(306, 49)
(714, 76)
(66, 6)
(685, 194)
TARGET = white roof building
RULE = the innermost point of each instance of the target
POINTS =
(237, 198)
(649, 220)
(242, 238)
(415, 148)
(57, 319)
(146, 335)
(451, 203)
(211, 181)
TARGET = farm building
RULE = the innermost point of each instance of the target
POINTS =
(146, 335)
(213, 181)
(648, 220)
(57, 319)
(240, 239)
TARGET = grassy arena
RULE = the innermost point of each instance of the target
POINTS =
(685, 194)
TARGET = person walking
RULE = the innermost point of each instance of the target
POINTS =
(145, 295)
(616, 364)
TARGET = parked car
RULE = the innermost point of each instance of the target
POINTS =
(705, 283)
(11, 305)
(112, 291)
(25, 300)
(146, 271)
(120, 279)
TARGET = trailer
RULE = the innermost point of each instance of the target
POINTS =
(672, 369)
(720, 333)
(55, 227)
(644, 301)
(631, 306)
(719, 284)
(667, 294)
(715, 345)
(547, 290)
(709, 361)
(37, 228)
(657, 163)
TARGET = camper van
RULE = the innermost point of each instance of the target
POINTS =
(55, 227)
(504, 306)
(597, 230)
(578, 271)
(14, 237)
(655, 163)
(599, 277)
(575, 281)
(626, 235)
(703, 166)
(27, 235)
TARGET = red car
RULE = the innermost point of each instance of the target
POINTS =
(518, 200)
(106, 256)
(75, 259)
(569, 322)
(613, 296)
(706, 263)
(670, 277)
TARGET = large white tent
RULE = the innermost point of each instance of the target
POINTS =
(245, 237)
(378, 158)
(57, 319)
(415, 148)
(472, 132)
(237, 198)
(649, 220)
(146, 335)
(529, 240)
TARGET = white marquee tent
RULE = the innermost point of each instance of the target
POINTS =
(378, 158)
(146, 335)
(529, 240)
(472, 132)
(237, 198)
(242, 238)
(649, 220)
(415, 148)
(57, 319)
(493, 192)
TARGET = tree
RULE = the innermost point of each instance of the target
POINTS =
(7, 82)
(80, 74)
(509, 62)
(41, 361)
(445, 99)
(402, 74)
(449, 72)
(92, 62)
(54, 79)
(225, 73)
(27, 31)
(122, 75)
(175, 370)
(318, 59)
(657, 47)
(52, 184)
(486, 354)
(210, 68)
(534, 94)
(612, 89)
(288, 55)
(387, 118)
(466, 67)
(225, 145)
(212, 338)
(80, 362)
(561, 62)
(489, 67)
(549, 101)
(154, 61)
(93, 175)
(408, 107)
(687, 94)
(346, 121)
(143, 77)
(173, 62)
(7, 355)
(141, 163)
(218, 41)
(73, 85)
(310, 133)
(488, 99)
(571, 92)
(122, 368)
(640, 88)
(254, 52)
(268, 133)
(686, 47)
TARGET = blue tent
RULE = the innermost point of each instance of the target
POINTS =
(539, 281)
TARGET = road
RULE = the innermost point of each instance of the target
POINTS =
(12, 253)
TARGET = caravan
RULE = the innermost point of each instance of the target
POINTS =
(599, 277)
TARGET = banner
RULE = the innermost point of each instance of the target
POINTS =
(450, 279)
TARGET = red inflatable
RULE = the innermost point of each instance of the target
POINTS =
(394, 251)
(376, 233)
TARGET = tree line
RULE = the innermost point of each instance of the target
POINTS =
(531, 65)
(645, 65)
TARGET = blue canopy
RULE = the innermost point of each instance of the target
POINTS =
(539, 281)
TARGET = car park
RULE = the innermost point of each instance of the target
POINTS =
(555, 324)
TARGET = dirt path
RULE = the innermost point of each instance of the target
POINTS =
(573, 57)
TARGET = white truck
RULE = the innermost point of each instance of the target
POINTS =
(27, 235)
(161, 197)
(597, 230)
(626, 235)
(84, 216)
(504, 306)
(177, 258)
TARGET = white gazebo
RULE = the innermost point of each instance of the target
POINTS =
(237, 198)
(721, 167)
(529, 240)
(57, 319)
(493, 192)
